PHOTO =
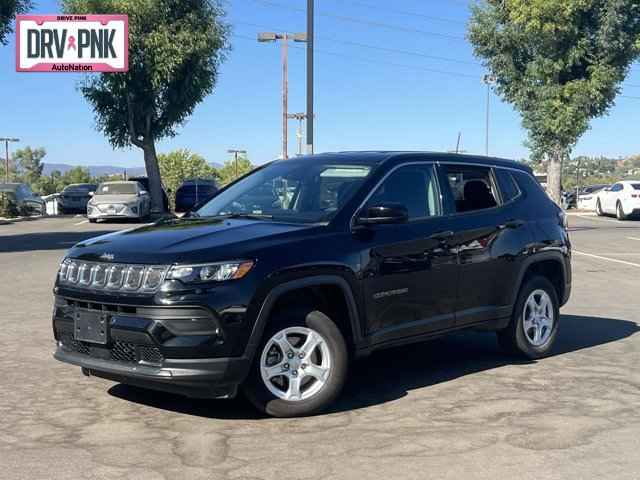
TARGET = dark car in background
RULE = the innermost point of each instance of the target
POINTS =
(74, 197)
(194, 192)
(26, 202)
(144, 181)
(286, 276)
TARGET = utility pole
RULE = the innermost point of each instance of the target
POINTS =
(284, 37)
(310, 113)
(235, 157)
(488, 80)
(6, 141)
(300, 117)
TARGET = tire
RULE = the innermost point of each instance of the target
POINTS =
(599, 211)
(93, 220)
(620, 215)
(329, 358)
(514, 339)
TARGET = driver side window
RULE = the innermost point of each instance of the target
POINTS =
(412, 186)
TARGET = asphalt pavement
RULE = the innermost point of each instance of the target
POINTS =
(453, 408)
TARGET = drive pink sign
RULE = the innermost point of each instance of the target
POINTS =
(72, 43)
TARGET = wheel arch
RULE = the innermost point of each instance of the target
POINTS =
(550, 265)
(306, 284)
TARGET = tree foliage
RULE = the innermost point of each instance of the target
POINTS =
(230, 170)
(175, 51)
(28, 163)
(559, 62)
(8, 10)
(180, 165)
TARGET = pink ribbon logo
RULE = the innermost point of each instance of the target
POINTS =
(72, 43)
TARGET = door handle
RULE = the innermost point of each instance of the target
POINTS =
(512, 224)
(441, 236)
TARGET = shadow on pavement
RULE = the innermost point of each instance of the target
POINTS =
(26, 242)
(389, 374)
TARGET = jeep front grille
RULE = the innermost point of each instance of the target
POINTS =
(111, 276)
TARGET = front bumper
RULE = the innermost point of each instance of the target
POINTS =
(119, 211)
(196, 378)
(184, 350)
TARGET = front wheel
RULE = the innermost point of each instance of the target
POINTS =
(300, 367)
(534, 323)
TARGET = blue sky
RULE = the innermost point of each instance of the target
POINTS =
(367, 97)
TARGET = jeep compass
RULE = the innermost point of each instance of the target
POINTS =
(288, 274)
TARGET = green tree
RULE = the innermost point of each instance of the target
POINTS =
(179, 165)
(559, 62)
(28, 162)
(175, 50)
(230, 171)
(8, 10)
(75, 175)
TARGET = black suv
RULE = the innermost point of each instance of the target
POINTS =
(299, 267)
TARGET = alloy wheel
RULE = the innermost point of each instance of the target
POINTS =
(538, 318)
(295, 363)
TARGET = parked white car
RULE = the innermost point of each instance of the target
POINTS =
(119, 200)
(622, 199)
(588, 197)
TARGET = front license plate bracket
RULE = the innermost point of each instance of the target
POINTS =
(91, 326)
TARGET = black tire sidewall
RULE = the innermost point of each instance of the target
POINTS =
(262, 398)
(517, 334)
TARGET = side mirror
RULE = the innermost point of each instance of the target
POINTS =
(384, 214)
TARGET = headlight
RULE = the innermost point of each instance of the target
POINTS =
(210, 272)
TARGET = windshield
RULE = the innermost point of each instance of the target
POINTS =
(291, 190)
(117, 189)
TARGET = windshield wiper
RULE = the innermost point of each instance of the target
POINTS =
(250, 216)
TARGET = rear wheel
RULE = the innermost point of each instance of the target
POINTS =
(620, 215)
(300, 367)
(534, 322)
(599, 211)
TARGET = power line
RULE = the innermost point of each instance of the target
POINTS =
(371, 23)
(402, 12)
(379, 62)
(375, 47)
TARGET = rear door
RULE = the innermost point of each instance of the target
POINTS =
(490, 231)
(409, 270)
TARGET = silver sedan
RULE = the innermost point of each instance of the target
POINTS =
(119, 200)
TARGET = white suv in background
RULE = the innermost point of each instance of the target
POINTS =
(622, 199)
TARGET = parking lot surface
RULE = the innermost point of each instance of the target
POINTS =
(455, 407)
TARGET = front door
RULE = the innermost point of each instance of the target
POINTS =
(410, 270)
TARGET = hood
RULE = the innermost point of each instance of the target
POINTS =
(186, 241)
(118, 198)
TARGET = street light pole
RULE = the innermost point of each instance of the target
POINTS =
(488, 80)
(310, 114)
(235, 158)
(285, 97)
(284, 37)
(300, 117)
(6, 141)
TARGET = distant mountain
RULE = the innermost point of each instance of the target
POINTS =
(94, 170)
(100, 170)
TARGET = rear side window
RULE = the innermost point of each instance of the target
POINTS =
(508, 186)
(472, 187)
(636, 186)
